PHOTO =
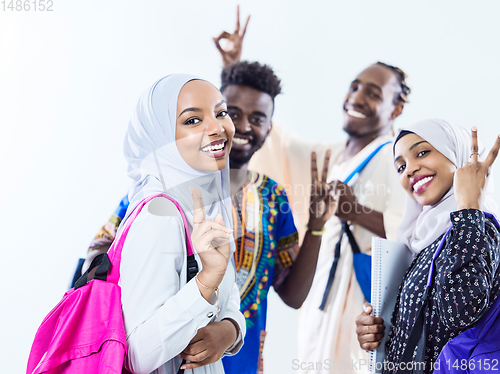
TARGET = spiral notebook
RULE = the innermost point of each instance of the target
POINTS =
(390, 260)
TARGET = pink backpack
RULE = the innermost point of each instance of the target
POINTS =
(84, 333)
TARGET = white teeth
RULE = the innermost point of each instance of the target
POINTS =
(213, 148)
(353, 113)
(421, 182)
(240, 141)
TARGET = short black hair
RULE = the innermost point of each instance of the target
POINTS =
(251, 74)
(401, 97)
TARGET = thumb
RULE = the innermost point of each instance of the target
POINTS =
(217, 45)
(219, 220)
(367, 307)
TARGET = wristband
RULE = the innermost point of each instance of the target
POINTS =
(216, 293)
(316, 233)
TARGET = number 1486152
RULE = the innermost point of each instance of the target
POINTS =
(27, 5)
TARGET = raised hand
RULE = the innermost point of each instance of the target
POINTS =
(211, 241)
(232, 52)
(370, 330)
(469, 179)
(323, 203)
(347, 202)
(209, 344)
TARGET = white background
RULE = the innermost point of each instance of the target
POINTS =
(69, 80)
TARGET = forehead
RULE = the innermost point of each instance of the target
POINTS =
(248, 98)
(380, 76)
(404, 144)
(198, 93)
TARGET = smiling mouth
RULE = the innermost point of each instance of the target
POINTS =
(240, 141)
(417, 186)
(355, 114)
(214, 147)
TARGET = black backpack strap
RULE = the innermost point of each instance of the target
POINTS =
(192, 270)
(333, 269)
(192, 267)
(101, 264)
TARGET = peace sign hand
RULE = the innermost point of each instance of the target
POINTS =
(232, 53)
(469, 179)
(211, 241)
(323, 203)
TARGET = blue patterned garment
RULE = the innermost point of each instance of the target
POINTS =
(466, 283)
(269, 249)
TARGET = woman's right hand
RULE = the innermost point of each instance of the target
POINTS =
(211, 241)
(469, 179)
(370, 329)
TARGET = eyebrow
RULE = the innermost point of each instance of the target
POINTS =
(189, 110)
(193, 109)
(412, 147)
(373, 85)
(221, 103)
(255, 112)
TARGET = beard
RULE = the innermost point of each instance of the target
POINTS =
(239, 159)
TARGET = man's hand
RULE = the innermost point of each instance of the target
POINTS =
(323, 202)
(347, 207)
(209, 344)
(232, 51)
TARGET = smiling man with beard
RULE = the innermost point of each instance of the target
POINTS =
(370, 203)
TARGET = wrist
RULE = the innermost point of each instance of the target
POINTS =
(209, 279)
(468, 206)
(315, 231)
(233, 330)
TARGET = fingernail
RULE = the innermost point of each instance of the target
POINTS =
(183, 367)
(366, 308)
(474, 128)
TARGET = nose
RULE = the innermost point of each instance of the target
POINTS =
(355, 98)
(411, 168)
(214, 126)
(242, 124)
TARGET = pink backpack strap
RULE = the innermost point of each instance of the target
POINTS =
(115, 252)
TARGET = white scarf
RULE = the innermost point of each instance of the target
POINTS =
(422, 225)
(154, 162)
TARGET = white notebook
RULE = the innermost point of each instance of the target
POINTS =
(390, 260)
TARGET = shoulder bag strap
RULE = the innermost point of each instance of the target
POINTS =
(115, 252)
(345, 229)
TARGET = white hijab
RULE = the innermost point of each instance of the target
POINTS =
(422, 225)
(154, 162)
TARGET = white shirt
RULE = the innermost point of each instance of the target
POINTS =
(161, 312)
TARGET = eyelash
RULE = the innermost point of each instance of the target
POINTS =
(419, 154)
(222, 113)
(190, 121)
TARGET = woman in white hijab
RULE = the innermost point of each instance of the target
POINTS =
(444, 172)
(178, 143)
